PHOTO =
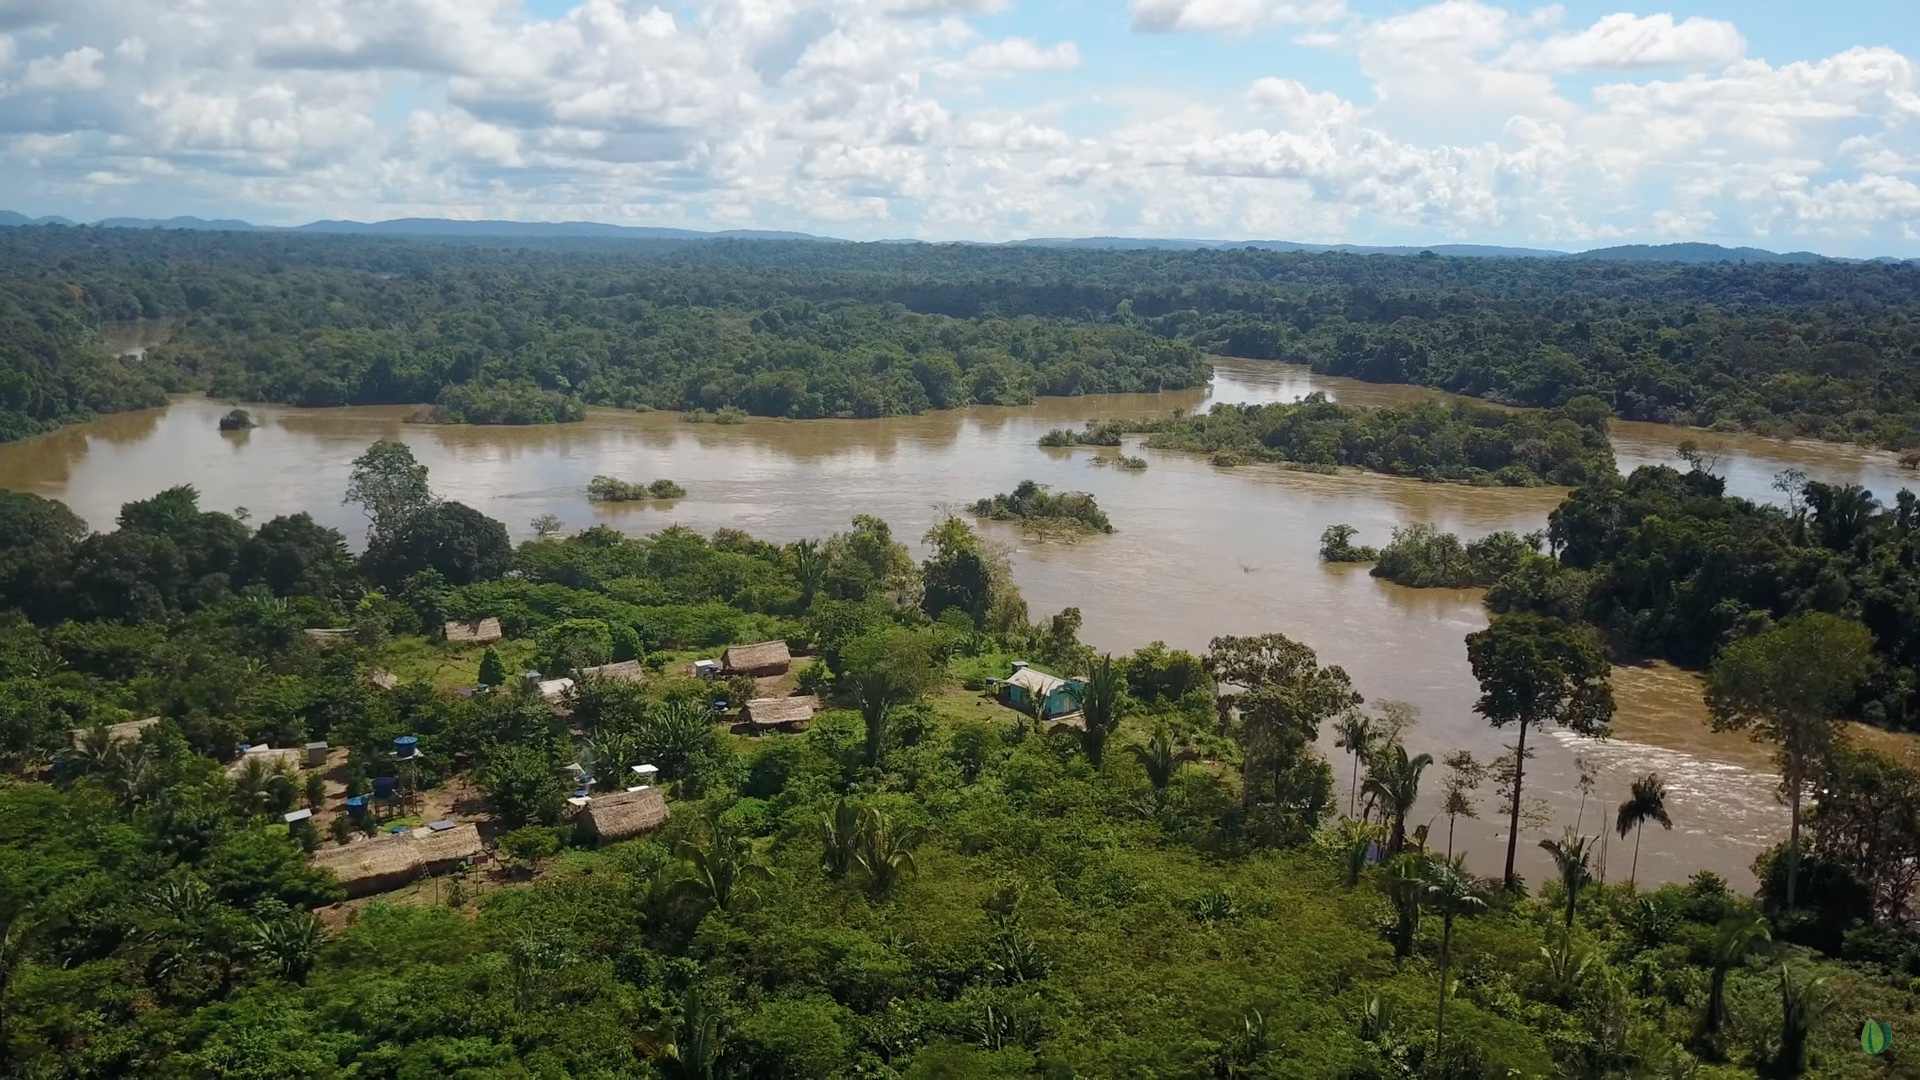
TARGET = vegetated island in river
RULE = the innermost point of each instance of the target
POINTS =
(1666, 565)
(1422, 556)
(1065, 514)
(1459, 442)
(867, 896)
(606, 489)
(237, 420)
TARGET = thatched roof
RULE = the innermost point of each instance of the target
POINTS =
(555, 689)
(768, 656)
(119, 733)
(269, 756)
(624, 671)
(629, 813)
(385, 680)
(328, 637)
(390, 860)
(781, 711)
(479, 632)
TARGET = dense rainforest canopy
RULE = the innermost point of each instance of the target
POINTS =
(923, 884)
(526, 334)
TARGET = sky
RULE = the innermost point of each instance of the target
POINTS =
(1571, 126)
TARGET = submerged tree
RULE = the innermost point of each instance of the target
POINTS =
(1533, 671)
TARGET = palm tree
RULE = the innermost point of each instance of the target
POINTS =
(1355, 734)
(1102, 702)
(885, 853)
(289, 944)
(1405, 883)
(880, 691)
(841, 829)
(672, 735)
(720, 868)
(92, 752)
(1732, 941)
(1570, 857)
(687, 1047)
(1160, 762)
(1801, 1004)
(252, 787)
(1393, 780)
(1451, 893)
(810, 569)
(1357, 840)
(1647, 802)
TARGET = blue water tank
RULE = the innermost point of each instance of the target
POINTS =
(405, 746)
(383, 787)
(357, 806)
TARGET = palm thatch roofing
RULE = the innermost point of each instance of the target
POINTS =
(782, 711)
(624, 671)
(268, 756)
(479, 632)
(626, 814)
(555, 689)
(118, 733)
(766, 658)
(390, 860)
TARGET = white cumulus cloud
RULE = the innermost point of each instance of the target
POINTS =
(1172, 16)
(1624, 42)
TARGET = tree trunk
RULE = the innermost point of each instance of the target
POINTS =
(1581, 817)
(1513, 830)
(1446, 962)
(1449, 837)
(1633, 874)
(1793, 834)
(1353, 790)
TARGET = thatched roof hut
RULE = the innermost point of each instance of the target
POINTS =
(791, 713)
(554, 689)
(624, 671)
(269, 756)
(390, 860)
(479, 632)
(119, 733)
(627, 814)
(766, 658)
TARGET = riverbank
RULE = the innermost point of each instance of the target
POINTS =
(1197, 550)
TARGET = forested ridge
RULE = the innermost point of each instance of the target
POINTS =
(924, 883)
(526, 334)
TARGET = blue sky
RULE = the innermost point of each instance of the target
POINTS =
(1576, 125)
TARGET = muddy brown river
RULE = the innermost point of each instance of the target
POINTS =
(1199, 550)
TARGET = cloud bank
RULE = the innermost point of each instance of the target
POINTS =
(881, 118)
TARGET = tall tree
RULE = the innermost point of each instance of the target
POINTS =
(1393, 781)
(1533, 671)
(1733, 940)
(462, 544)
(1354, 732)
(809, 569)
(390, 486)
(1160, 761)
(1281, 695)
(1570, 858)
(1787, 686)
(1451, 894)
(1464, 777)
(1646, 801)
(886, 670)
(1102, 700)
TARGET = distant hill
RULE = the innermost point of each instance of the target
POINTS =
(1701, 253)
(447, 227)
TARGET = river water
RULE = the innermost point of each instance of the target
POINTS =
(1199, 551)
